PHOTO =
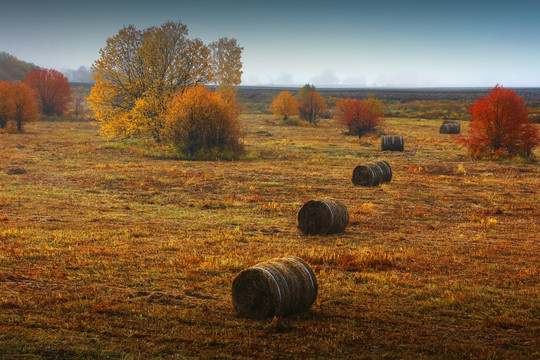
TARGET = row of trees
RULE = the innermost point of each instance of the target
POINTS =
(13, 69)
(500, 123)
(43, 90)
(308, 104)
(360, 116)
(154, 82)
(146, 77)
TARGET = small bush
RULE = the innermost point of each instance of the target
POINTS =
(360, 117)
(201, 122)
(312, 107)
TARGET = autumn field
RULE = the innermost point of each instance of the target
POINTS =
(109, 250)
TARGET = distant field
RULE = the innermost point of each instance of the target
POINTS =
(106, 252)
(431, 103)
(402, 94)
(439, 102)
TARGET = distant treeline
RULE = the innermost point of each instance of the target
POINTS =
(399, 94)
(12, 69)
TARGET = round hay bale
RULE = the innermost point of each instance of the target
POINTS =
(364, 175)
(450, 127)
(319, 217)
(372, 174)
(367, 175)
(279, 286)
(392, 143)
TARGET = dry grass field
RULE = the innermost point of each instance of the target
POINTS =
(109, 253)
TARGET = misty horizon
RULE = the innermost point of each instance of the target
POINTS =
(343, 44)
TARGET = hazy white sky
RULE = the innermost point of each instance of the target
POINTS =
(328, 43)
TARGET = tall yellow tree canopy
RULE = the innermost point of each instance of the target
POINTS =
(226, 61)
(139, 71)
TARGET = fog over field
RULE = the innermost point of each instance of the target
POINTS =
(387, 43)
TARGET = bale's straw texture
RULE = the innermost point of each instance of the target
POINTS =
(386, 169)
(279, 286)
(323, 217)
(372, 174)
(456, 122)
(392, 143)
(450, 127)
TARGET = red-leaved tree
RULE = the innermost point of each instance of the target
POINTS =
(52, 89)
(360, 117)
(500, 126)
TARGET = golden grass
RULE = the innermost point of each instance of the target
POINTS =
(105, 253)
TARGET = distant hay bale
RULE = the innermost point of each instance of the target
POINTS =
(319, 217)
(392, 143)
(279, 286)
(450, 127)
(372, 174)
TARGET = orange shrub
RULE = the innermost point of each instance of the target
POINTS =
(200, 120)
(6, 104)
(312, 107)
(25, 108)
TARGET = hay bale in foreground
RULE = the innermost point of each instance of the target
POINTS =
(372, 174)
(450, 127)
(319, 217)
(279, 286)
(392, 143)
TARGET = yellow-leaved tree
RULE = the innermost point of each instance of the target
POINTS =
(284, 104)
(226, 62)
(139, 72)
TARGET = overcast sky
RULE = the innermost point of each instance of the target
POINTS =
(327, 43)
